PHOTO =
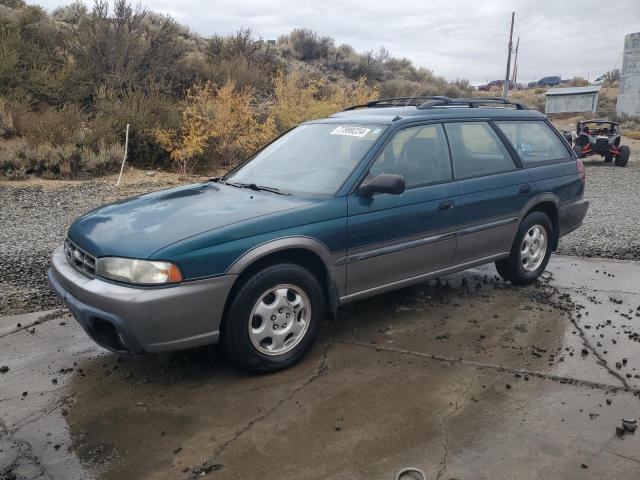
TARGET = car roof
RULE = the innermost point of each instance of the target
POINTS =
(405, 114)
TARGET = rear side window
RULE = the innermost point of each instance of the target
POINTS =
(419, 154)
(477, 150)
(534, 141)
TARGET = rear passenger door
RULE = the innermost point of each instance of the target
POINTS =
(396, 237)
(493, 190)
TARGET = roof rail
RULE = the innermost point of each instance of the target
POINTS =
(469, 102)
(434, 101)
(399, 102)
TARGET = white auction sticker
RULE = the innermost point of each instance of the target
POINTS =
(351, 131)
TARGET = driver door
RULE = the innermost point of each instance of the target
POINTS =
(393, 238)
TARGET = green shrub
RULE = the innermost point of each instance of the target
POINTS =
(307, 44)
(57, 126)
(145, 151)
(107, 158)
(16, 157)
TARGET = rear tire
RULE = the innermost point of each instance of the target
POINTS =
(608, 158)
(530, 252)
(623, 158)
(272, 320)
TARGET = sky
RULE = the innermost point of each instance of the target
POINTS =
(454, 38)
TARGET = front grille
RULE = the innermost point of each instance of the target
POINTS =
(602, 143)
(81, 260)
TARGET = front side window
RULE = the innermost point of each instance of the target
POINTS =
(477, 150)
(419, 154)
(534, 141)
(312, 159)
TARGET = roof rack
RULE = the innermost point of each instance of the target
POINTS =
(398, 102)
(438, 101)
(469, 102)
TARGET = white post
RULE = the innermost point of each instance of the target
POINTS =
(126, 146)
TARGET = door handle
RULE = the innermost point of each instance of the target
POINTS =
(524, 189)
(446, 205)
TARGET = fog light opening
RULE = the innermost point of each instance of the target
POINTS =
(109, 336)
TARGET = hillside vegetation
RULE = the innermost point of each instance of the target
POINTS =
(71, 81)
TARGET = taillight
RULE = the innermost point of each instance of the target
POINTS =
(581, 171)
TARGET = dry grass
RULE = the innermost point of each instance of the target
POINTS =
(19, 158)
(131, 177)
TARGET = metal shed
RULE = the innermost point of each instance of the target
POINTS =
(572, 99)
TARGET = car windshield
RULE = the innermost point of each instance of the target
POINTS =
(312, 159)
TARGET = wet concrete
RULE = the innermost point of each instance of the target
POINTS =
(463, 378)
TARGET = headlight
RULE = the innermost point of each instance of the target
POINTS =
(144, 272)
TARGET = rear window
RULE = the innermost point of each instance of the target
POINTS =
(534, 141)
(477, 150)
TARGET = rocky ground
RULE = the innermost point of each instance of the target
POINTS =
(612, 226)
(35, 216)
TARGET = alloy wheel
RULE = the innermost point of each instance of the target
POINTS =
(279, 319)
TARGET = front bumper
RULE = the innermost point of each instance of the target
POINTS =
(130, 319)
(571, 214)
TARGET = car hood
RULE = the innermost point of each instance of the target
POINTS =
(140, 226)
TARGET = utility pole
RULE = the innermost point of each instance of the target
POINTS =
(515, 64)
(505, 89)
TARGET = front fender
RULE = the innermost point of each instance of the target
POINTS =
(336, 274)
(278, 245)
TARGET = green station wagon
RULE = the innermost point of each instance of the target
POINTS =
(374, 198)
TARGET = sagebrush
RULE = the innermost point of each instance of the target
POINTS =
(71, 81)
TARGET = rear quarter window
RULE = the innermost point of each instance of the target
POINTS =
(534, 142)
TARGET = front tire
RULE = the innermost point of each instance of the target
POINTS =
(623, 157)
(273, 318)
(530, 251)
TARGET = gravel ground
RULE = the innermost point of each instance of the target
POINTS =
(30, 231)
(35, 216)
(611, 228)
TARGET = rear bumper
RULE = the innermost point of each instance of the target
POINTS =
(571, 214)
(129, 319)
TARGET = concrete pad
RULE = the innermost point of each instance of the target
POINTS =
(13, 323)
(596, 274)
(468, 377)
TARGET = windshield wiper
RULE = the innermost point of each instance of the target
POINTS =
(259, 188)
(252, 186)
(227, 182)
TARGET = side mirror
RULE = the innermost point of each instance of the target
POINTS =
(383, 183)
